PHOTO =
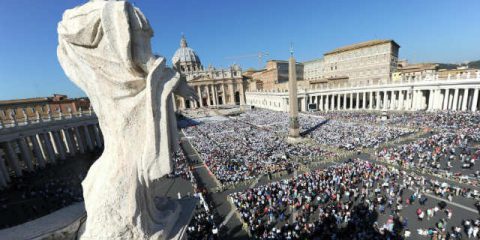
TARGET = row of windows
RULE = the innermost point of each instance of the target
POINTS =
(362, 51)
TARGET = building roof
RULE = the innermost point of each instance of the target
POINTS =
(313, 60)
(25, 100)
(185, 54)
(274, 60)
(361, 45)
(418, 67)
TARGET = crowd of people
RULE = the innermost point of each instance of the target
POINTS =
(416, 119)
(357, 199)
(204, 223)
(450, 153)
(236, 151)
(346, 130)
(353, 200)
(42, 192)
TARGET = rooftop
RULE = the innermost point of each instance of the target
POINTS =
(361, 45)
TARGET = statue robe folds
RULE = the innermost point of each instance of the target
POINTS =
(104, 47)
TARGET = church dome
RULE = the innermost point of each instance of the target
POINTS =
(185, 58)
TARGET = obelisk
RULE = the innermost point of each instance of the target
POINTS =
(293, 125)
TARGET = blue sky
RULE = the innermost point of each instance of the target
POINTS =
(427, 30)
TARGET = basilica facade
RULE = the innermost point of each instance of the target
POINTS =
(214, 87)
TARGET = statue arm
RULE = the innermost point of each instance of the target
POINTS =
(185, 91)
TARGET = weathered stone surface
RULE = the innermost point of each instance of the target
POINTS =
(104, 47)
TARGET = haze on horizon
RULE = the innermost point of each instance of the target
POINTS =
(427, 31)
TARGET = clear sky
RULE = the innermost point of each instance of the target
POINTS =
(427, 30)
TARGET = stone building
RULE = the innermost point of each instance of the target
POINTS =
(19, 108)
(364, 63)
(361, 64)
(275, 75)
(368, 76)
(313, 70)
(411, 72)
(214, 87)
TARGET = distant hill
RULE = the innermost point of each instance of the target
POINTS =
(472, 64)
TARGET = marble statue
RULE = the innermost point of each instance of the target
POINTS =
(104, 48)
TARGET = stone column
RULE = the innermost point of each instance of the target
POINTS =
(232, 93)
(384, 100)
(411, 98)
(378, 99)
(339, 102)
(357, 105)
(12, 159)
(26, 154)
(323, 100)
(37, 150)
(79, 140)
(294, 126)
(431, 100)
(208, 96)
(416, 100)
(68, 139)
(4, 175)
(327, 103)
(98, 138)
(364, 99)
(455, 100)
(392, 101)
(214, 94)
(242, 94)
(465, 99)
(321, 103)
(332, 103)
(224, 95)
(88, 138)
(199, 93)
(370, 101)
(351, 101)
(59, 145)
(475, 99)
(445, 99)
(438, 99)
(400, 100)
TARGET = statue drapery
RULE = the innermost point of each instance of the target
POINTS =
(104, 48)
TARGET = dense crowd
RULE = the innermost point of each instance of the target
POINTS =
(451, 153)
(181, 166)
(340, 129)
(42, 192)
(347, 201)
(357, 199)
(350, 136)
(235, 151)
(204, 223)
(417, 119)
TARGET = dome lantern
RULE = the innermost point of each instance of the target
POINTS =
(186, 59)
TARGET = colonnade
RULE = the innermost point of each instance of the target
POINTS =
(440, 98)
(30, 152)
(215, 94)
(402, 99)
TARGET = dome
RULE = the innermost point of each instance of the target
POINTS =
(186, 57)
